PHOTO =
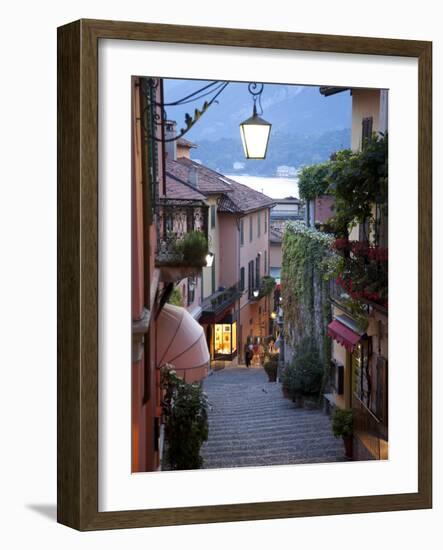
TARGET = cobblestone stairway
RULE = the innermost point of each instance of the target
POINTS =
(251, 424)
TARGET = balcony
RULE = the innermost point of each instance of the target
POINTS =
(338, 295)
(341, 298)
(266, 287)
(214, 306)
(182, 237)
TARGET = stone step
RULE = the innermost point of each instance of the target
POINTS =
(274, 461)
(267, 423)
(251, 424)
(237, 437)
(277, 451)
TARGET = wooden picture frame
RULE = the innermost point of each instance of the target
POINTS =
(77, 459)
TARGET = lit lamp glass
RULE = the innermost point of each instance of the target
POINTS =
(254, 134)
(209, 259)
(255, 293)
(273, 315)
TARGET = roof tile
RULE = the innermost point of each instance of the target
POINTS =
(235, 197)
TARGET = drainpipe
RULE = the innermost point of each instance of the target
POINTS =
(239, 350)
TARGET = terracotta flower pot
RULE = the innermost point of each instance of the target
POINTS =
(285, 392)
(348, 442)
(272, 376)
(298, 400)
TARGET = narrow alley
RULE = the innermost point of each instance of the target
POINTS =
(252, 424)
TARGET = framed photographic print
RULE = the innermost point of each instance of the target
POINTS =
(244, 275)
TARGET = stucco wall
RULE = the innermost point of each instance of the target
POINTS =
(145, 397)
(254, 321)
(228, 249)
(257, 312)
(251, 248)
(323, 208)
(275, 255)
(365, 103)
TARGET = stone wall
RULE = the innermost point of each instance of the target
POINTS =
(305, 288)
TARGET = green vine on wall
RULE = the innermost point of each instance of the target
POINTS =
(313, 181)
(356, 179)
(358, 183)
(308, 262)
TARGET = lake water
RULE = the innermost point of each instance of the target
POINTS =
(276, 188)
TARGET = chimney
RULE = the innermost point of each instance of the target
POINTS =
(171, 146)
(193, 176)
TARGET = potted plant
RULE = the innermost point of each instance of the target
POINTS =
(342, 425)
(303, 376)
(291, 386)
(194, 248)
(176, 298)
(284, 379)
(271, 366)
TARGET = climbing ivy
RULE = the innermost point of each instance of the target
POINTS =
(308, 262)
(358, 180)
(313, 181)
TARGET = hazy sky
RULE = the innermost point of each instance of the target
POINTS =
(290, 109)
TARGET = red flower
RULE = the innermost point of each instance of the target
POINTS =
(341, 244)
(378, 254)
(360, 248)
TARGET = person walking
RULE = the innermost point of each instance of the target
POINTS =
(248, 357)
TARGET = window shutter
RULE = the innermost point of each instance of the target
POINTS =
(366, 130)
(242, 278)
(213, 211)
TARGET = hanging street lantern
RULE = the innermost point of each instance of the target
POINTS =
(255, 131)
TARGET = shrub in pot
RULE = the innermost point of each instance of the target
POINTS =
(303, 376)
(271, 366)
(284, 381)
(176, 298)
(290, 385)
(343, 426)
(308, 368)
(193, 248)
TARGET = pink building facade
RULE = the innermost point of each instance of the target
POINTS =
(145, 388)
(161, 333)
(222, 298)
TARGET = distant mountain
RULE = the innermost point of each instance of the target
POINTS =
(285, 150)
(306, 126)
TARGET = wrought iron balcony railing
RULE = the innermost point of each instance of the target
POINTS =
(339, 296)
(182, 233)
(221, 300)
(265, 287)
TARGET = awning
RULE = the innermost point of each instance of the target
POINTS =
(181, 342)
(343, 335)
